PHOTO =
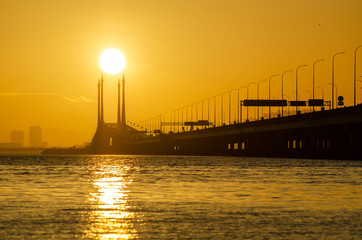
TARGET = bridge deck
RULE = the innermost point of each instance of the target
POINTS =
(326, 134)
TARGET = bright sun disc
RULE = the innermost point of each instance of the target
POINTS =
(112, 61)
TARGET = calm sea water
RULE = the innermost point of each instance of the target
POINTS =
(177, 197)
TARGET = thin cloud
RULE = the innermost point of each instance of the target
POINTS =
(78, 99)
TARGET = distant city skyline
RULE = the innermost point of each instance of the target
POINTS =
(17, 138)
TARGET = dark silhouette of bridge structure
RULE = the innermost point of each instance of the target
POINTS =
(334, 134)
(326, 132)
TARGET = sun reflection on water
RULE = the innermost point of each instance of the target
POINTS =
(110, 217)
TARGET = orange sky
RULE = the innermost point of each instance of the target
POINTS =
(178, 52)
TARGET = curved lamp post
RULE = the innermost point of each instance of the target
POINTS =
(178, 119)
(239, 106)
(192, 111)
(257, 93)
(182, 116)
(333, 88)
(283, 87)
(333, 76)
(313, 76)
(208, 109)
(247, 97)
(275, 75)
(202, 108)
(215, 108)
(187, 112)
(222, 108)
(355, 70)
(230, 104)
(288, 101)
(310, 95)
(296, 85)
(197, 110)
(174, 120)
(359, 80)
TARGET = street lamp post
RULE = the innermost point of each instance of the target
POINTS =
(310, 95)
(178, 119)
(215, 109)
(283, 88)
(275, 75)
(336, 90)
(322, 91)
(230, 104)
(355, 70)
(247, 97)
(160, 116)
(174, 120)
(359, 80)
(333, 76)
(314, 74)
(154, 120)
(222, 108)
(208, 110)
(192, 111)
(257, 92)
(275, 98)
(197, 104)
(202, 109)
(239, 106)
(222, 105)
(187, 113)
(296, 85)
(288, 101)
(182, 116)
(197, 111)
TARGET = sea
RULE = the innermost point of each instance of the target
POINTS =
(178, 197)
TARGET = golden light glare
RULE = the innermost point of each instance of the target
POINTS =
(111, 217)
(112, 61)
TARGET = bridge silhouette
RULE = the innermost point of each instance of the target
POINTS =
(201, 128)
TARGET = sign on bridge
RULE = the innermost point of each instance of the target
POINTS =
(264, 103)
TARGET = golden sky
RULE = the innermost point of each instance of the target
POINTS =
(178, 53)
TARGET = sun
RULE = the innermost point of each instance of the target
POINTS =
(112, 61)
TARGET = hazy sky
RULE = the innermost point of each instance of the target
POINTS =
(177, 52)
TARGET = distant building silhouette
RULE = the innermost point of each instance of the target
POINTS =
(35, 136)
(17, 137)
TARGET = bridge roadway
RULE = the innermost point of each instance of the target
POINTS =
(335, 134)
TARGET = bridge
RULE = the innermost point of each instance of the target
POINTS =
(333, 133)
